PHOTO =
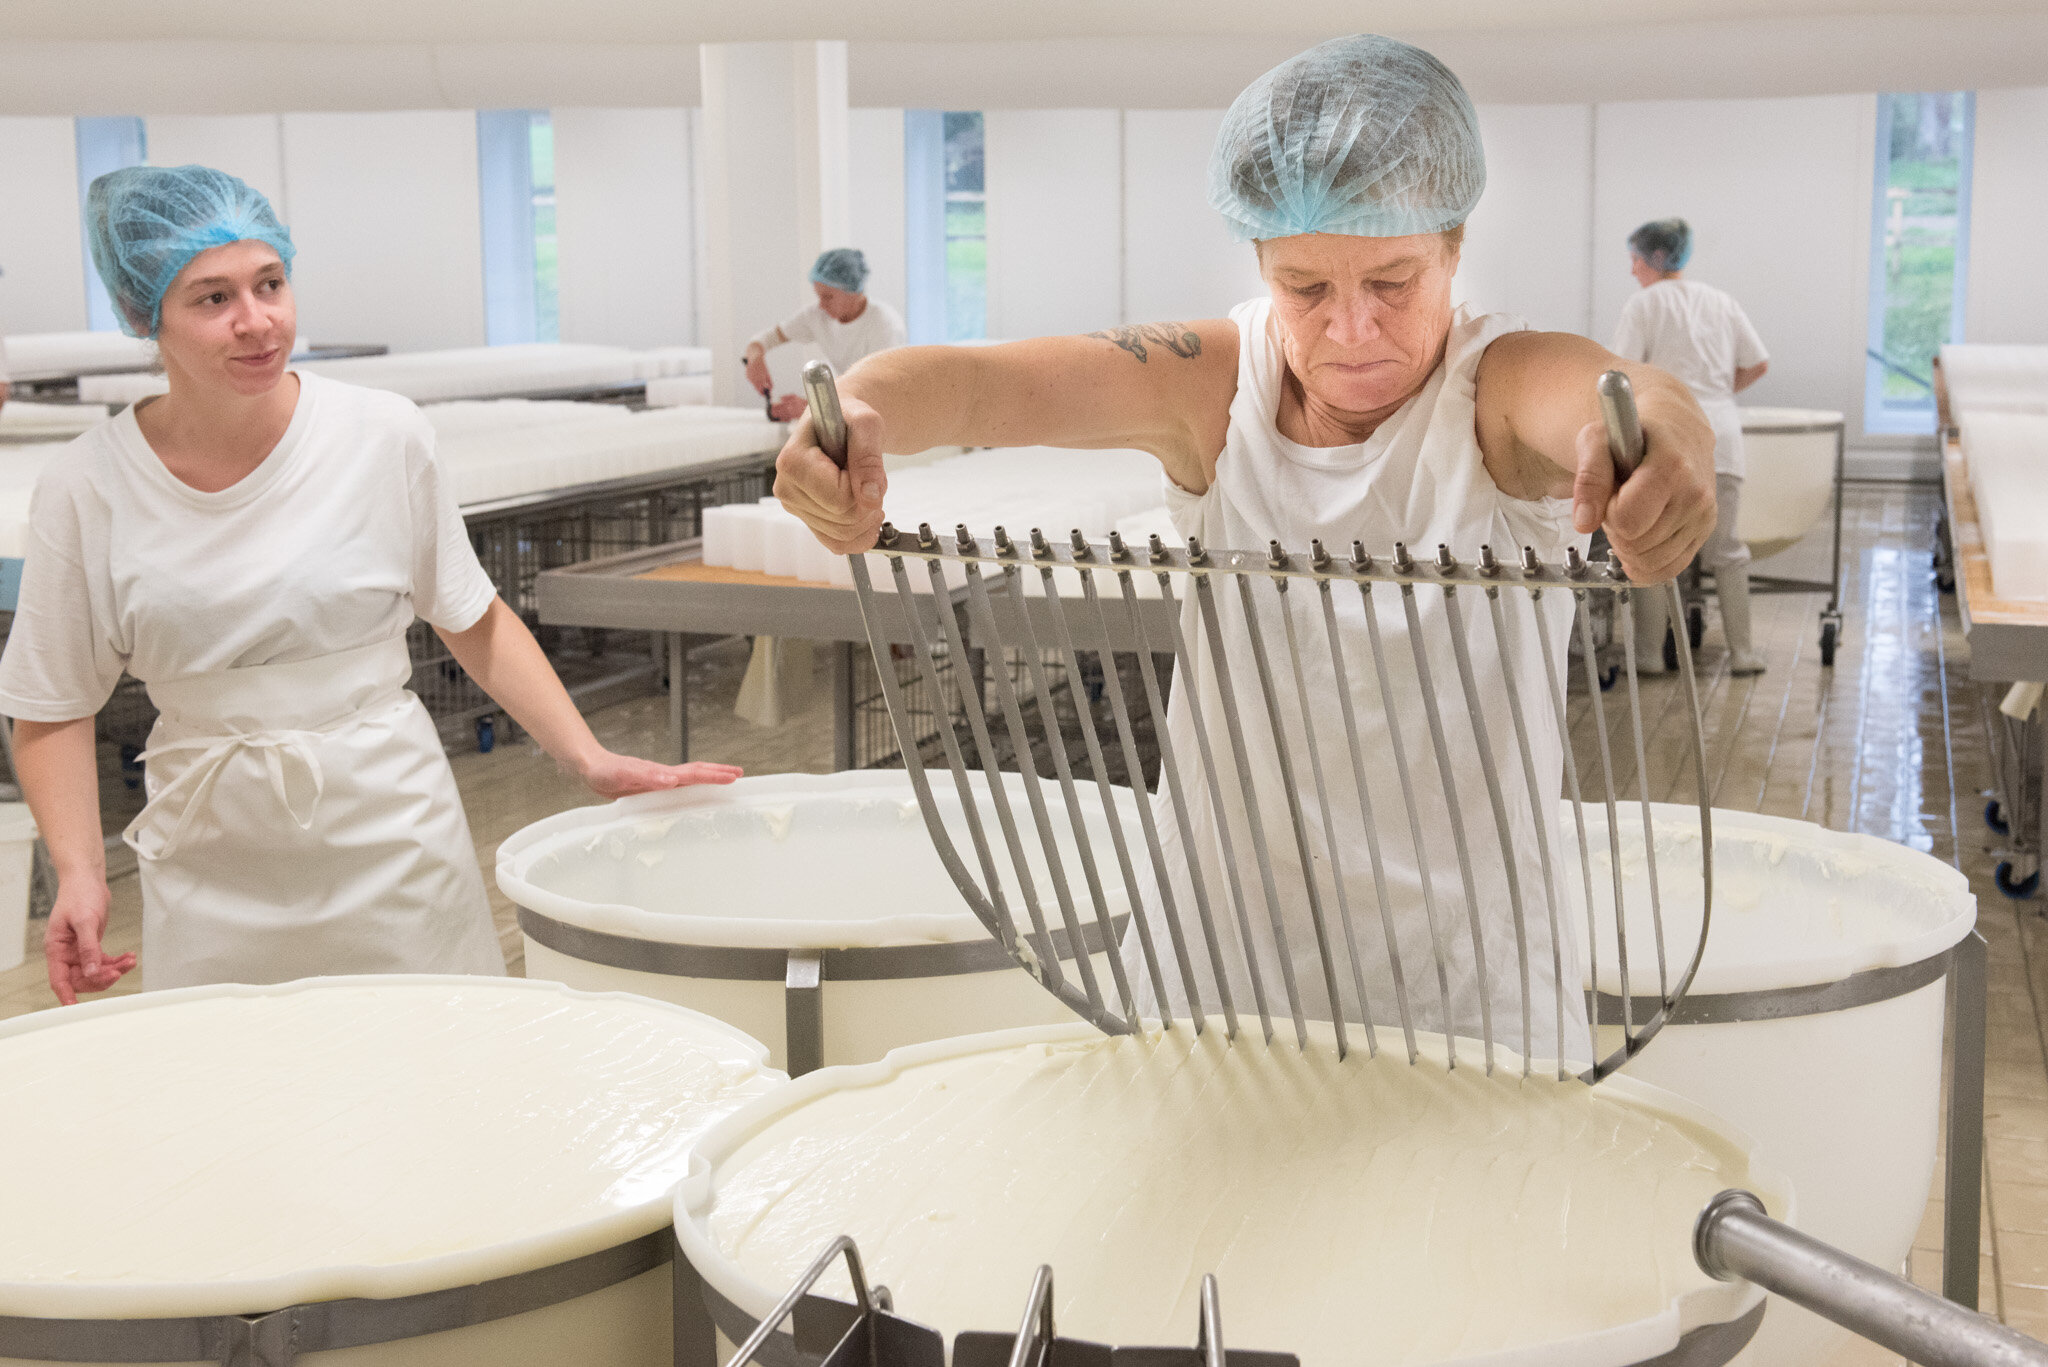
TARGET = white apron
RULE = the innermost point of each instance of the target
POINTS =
(1419, 479)
(302, 820)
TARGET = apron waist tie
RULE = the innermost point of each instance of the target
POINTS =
(286, 754)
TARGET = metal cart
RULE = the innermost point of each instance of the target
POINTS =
(1695, 583)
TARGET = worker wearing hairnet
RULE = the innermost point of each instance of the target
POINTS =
(844, 325)
(1351, 402)
(253, 546)
(1701, 335)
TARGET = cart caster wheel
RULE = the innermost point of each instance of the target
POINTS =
(486, 735)
(1945, 580)
(2019, 890)
(1670, 649)
(1994, 817)
(1608, 677)
(1695, 627)
(1829, 635)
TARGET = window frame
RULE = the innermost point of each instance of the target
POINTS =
(1883, 417)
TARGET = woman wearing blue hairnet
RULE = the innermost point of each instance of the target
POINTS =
(1701, 335)
(845, 325)
(1352, 402)
(253, 546)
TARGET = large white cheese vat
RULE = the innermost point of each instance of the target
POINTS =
(1815, 1022)
(805, 908)
(1359, 1213)
(1790, 460)
(353, 1172)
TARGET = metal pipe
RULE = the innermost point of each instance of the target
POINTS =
(1735, 1239)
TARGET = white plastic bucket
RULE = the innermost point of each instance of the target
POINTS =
(1789, 457)
(1815, 1023)
(17, 872)
(800, 907)
(354, 1172)
(1364, 1211)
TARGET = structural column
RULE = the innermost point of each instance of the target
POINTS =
(775, 184)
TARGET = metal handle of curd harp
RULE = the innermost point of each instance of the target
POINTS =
(1735, 1239)
(821, 391)
(1625, 441)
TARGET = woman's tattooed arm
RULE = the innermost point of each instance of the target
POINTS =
(1133, 338)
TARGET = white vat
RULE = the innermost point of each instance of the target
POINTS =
(724, 899)
(1815, 1023)
(1789, 457)
(1361, 1213)
(353, 1172)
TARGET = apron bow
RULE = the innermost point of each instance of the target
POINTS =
(283, 752)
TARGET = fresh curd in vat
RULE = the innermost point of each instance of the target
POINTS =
(1364, 1211)
(230, 1150)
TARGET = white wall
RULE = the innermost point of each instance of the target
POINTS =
(2008, 285)
(626, 227)
(1526, 245)
(1054, 220)
(1778, 195)
(1180, 262)
(875, 156)
(41, 250)
(384, 214)
(247, 145)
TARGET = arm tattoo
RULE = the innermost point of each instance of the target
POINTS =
(1175, 337)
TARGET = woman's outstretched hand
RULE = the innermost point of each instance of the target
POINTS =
(71, 945)
(610, 775)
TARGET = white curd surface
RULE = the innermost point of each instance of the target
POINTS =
(228, 1150)
(1795, 904)
(793, 861)
(1359, 1212)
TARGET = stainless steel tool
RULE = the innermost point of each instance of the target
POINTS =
(1273, 801)
(1733, 1238)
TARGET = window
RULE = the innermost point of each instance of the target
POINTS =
(104, 144)
(945, 225)
(966, 230)
(516, 195)
(1919, 253)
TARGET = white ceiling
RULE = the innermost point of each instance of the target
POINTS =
(696, 21)
(204, 57)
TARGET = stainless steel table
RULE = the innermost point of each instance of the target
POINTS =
(668, 589)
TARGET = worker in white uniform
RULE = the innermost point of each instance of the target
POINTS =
(844, 324)
(253, 546)
(1353, 401)
(1701, 335)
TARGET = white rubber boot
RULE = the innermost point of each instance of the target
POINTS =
(1732, 583)
(1653, 617)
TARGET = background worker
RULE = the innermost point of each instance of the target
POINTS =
(844, 324)
(1701, 335)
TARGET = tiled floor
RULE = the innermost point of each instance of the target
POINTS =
(1889, 742)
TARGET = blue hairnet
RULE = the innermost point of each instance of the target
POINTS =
(843, 268)
(146, 223)
(1361, 135)
(1665, 244)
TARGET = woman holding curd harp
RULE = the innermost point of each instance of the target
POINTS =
(1352, 402)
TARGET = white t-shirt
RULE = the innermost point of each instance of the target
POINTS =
(1701, 335)
(343, 535)
(878, 328)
